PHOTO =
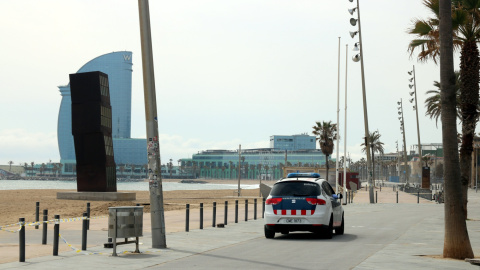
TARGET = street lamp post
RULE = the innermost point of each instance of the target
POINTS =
(415, 108)
(153, 144)
(356, 58)
(345, 132)
(402, 128)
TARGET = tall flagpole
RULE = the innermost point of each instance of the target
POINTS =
(338, 118)
(345, 133)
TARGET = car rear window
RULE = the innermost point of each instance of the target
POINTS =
(295, 188)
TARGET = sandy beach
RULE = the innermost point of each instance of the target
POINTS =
(15, 204)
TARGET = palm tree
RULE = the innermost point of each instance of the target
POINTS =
(465, 33)
(376, 145)
(230, 166)
(433, 103)
(456, 241)
(170, 167)
(42, 168)
(326, 134)
(132, 167)
(60, 166)
(122, 169)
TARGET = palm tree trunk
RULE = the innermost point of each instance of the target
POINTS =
(469, 66)
(456, 241)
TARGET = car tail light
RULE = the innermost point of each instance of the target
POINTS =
(273, 201)
(315, 201)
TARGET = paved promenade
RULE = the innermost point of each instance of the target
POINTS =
(419, 247)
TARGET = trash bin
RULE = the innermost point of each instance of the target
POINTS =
(125, 222)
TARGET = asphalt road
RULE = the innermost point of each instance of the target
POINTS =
(369, 228)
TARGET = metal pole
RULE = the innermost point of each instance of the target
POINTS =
(345, 128)
(153, 143)
(21, 240)
(365, 114)
(255, 209)
(187, 217)
(84, 231)
(418, 197)
(214, 214)
(376, 196)
(404, 146)
(44, 227)
(338, 118)
(37, 214)
(88, 216)
(56, 232)
(239, 166)
(225, 215)
(236, 211)
(246, 210)
(397, 196)
(263, 207)
(418, 126)
(201, 216)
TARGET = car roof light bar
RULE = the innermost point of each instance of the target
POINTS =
(303, 175)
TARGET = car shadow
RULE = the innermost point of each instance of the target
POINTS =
(314, 237)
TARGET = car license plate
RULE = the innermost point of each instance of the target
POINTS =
(293, 220)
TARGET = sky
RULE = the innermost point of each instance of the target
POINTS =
(226, 72)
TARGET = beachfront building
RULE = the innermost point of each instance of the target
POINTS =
(118, 66)
(263, 163)
(292, 142)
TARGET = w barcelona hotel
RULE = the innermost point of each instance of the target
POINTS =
(118, 66)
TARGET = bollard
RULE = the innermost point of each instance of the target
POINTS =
(365, 187)
(21, 239)
(255, 209)
(214, 214)
(263, 207)
(418, 197)
(236, 211)
(397, 196)
(246, 210)
(37, 214)
(187, 217)
(376, 196)
(88, 216)
(84, 231)
(225, 216)
(380, 188)
(201, 216)
(56, 233)
(44, 232)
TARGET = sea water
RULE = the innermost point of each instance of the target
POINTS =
(61, 184)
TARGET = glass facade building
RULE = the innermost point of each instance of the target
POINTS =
(118, 66)
(292, 142)
(266, 162)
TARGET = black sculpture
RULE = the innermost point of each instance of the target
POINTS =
(92, 132)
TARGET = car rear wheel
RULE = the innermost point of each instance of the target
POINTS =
(269, 233)
(329, 230)
(341, 229)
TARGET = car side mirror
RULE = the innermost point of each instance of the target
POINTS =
(339, 196)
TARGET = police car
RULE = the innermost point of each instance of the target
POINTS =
(303, 202)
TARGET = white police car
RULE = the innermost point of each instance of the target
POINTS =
(303, 202)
